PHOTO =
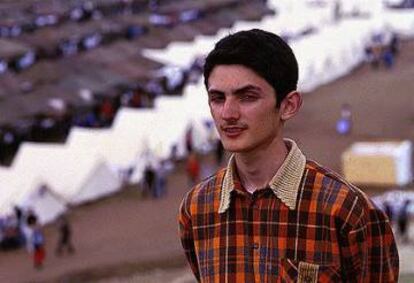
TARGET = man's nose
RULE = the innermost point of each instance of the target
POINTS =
(230, 110)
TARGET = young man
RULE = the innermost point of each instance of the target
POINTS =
(272, 215)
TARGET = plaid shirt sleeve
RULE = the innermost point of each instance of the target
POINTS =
(186, 235)
(368, 249)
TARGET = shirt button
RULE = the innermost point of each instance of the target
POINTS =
(255, 246)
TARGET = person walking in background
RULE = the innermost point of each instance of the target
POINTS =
(149, 180)
(394, 44)
(20, 224)
(107, 112)
(189, 139)
(193, 169)
(65, 236)
(219, 152)
(389, 211)
(403, 222)
(272, 215)
(161, 179)
(344, 123)
(37, 242)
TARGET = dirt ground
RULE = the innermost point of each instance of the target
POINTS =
(125, 234)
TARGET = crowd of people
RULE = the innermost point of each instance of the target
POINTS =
(23, 230)
(154, 180)
(87, 106)
(399, 207)
(382, 49)
(96, 112)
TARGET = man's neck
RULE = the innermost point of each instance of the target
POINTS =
(256, 169)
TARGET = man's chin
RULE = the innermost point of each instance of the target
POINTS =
(235, 148)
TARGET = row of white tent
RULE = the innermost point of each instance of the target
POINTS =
(91, 162)
(330, 51)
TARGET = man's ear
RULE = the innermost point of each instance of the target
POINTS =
(290, 105)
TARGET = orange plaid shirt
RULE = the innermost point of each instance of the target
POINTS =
(308, 225)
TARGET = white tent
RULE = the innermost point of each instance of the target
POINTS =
(46, 204)
(116, 146)
(73, 175)
(120, 145)
(172, 121)
(100, 182)
(8, 190)
(196, 101)
(328, 54)
(132, 127)
(400, 21)
(157, 129)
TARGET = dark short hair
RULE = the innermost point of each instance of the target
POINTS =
(265, 53)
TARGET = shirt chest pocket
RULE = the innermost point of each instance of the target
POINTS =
(304, 272)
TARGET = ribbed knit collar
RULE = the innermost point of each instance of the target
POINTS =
(285, 183)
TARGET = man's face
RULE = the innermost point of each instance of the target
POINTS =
(243, 106)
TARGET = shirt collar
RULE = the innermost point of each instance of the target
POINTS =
(284, 184)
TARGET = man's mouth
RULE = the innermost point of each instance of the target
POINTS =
(232, 131)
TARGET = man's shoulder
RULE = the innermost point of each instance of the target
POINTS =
(339, 198)
(209, 185)
(205, 196)
(336, 187)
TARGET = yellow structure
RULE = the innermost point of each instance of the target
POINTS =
(378, 163)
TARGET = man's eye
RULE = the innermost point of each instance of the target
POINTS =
(216, 98)
(248, 97)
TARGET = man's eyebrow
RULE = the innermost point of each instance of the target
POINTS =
(246, 88)
(214, 91)
(240, 90)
